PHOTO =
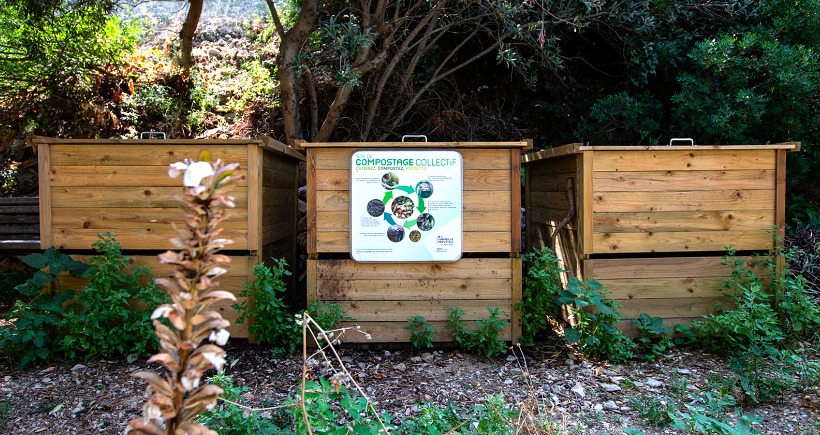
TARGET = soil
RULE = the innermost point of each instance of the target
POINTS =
(583, 396)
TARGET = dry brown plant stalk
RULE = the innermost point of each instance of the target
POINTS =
(178, 397)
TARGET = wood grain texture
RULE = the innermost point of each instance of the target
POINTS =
(684, 160)
(716, 199)
(119, 176)
(139, 154)
(395, 332)
(125, 197)
(666, 180)
(691, 241)
(43, 162)
(684, 221)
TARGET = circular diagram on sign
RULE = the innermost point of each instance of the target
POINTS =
(424, 189)
(402, 207)
(425, 222)
(395, 233)
(375, 207)
(415, 236)
(390, 180)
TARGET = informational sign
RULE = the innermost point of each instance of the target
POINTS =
(406, 205)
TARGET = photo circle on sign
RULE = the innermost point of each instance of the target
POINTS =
(390, 180)
(424, 189)
(375, 207)
(402, 207)
(395, 233)
(425, 222)
(415, 236)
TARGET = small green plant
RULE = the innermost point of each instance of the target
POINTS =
(5, 409)
(595, 317)
(272, 321)
(421, 332)
(110, 316)
(327, 316)
(333, 409)
(655, 336)
(542, 283)
(229, 418)
(484, 339)
(654, 410)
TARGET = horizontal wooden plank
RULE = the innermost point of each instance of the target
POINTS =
(395, 332)
(630, 330)
(742, 220)
(136, 238)
(281, 179)
(683, 180)
(713, 200)
(414, 290)
(276, 197)
(118, 154)
(484, 241)
(6, 210)
(115, 197)
(651, 268)
(475, 201)
(665, 288)
(475, 268)
(552, 182)
(550, 200)
(339, 158)
(695, 241)
(19, 229)
(683, 160)
(433, 310)
(144, 218)
(119, 176)
(672, 307)
(413, 144)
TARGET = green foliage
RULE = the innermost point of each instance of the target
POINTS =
(622, 118)
(484, 338)
(542, 283)
(38, 315)
(5, 408)
(111, 315)
(108, 317)
(273, 324)
(595, 317)
(327, 316)
(421, 332)
(494, 416)
(230, 419)
(253, 82)
(655, 337)
(333, 410)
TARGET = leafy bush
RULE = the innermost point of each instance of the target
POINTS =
(332, 409)
(621, 117)
(421, 332)
(595, 317)
(229, 418)
(655, 337)
(108, 317)
(484, 338)
(271, 321)
(542, 283)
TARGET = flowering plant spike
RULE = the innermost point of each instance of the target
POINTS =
(179, 396)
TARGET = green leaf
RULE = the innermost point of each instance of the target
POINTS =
(571, 335)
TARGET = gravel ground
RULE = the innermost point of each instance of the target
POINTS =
(587, 396)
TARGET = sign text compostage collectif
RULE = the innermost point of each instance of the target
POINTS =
(406, 205)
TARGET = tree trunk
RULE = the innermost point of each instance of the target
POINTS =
(186, 35)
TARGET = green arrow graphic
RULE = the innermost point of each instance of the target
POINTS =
(421, 206)
(408, 189)
(410, 224)
(387, 196)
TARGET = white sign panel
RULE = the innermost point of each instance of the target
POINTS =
(406, 205)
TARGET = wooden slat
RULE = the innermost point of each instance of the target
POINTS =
(476, 268)
(255, 197)
(629, 329)
(665, 288)
(585, 203)
(515, 198)
(485, 241)
(745, 220)
(434, 310)
(549, 181)
(395, 332)
(312, 202)
(339, 158)
(145, 218)
(684, 160)
(111, 154)
(119, 176)
(136, 238)
(712, 200)
(401, 145)
(517, 284)
(780, 195)
(612, 243)
(662, 181)
(651, 268)
(673, 307)
(73, 197)
(413, 290)
(44, 161)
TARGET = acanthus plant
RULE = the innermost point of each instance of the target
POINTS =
(178, 397)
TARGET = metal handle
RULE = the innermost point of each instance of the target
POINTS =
(414, 136)
(689, 139)
(152, 133)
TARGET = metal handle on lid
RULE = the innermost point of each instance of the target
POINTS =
(688, 139)
(152, 133)
(414, 136)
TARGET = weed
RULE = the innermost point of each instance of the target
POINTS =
(230, 418)
(5, 409)
(655, 337)
(484, 339)
(595, 317)
(542, 283)
(655, 410)
(272, 321)
(421, 332)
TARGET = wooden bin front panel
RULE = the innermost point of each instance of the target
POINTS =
(679, 289)
(682, 200)
(381, 297)
(124, 188)
(491, 198)
(239, 270)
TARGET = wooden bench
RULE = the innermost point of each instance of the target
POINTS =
(19, 224)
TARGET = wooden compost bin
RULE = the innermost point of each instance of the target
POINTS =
(652, 223)
(89, 187)
(381, 297)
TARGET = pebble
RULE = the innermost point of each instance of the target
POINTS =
(610, 388)
(401, 367)
(652, 382)
(684, 371)
(387, 353)
(78, 367)
(508, 381)
(609, 404)
(427, 357)
(579, 389)
(510, 358)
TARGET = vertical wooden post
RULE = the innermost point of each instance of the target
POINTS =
(254, 186)
(515, 183)
(311, 204)
(517, 283)
(780, 195)
(44, 162)
(584, 207)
